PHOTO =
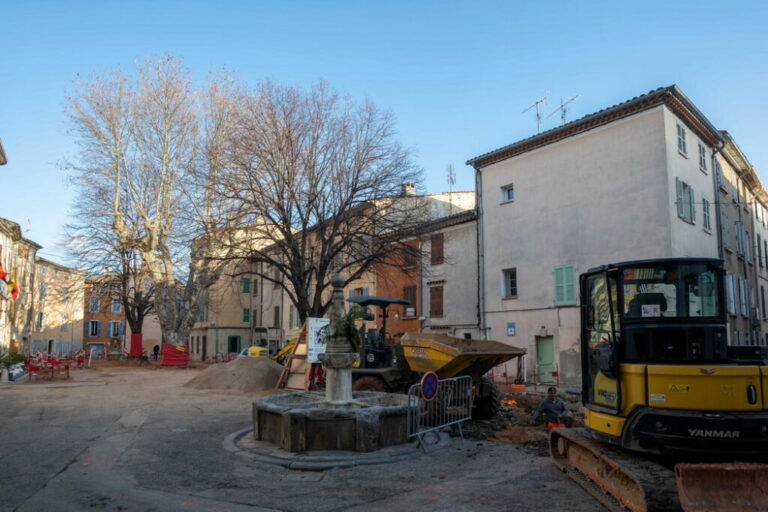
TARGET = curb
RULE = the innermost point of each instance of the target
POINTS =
(268, 453)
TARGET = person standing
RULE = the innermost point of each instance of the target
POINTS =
(155, 352)
(552, 407)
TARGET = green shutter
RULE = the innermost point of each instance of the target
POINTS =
(565, 285)
(247, 285)
(679, 189)
(246, 315)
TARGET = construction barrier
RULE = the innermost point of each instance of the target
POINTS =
(448, 403)
(175, 355)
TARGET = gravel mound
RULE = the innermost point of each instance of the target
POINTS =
(241, 374)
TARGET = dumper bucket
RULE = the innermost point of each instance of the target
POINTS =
(730, 487)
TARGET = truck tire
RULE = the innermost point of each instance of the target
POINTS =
(486, 407)
(370, 383)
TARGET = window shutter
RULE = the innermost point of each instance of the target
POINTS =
(570, 285)
(559, 286)
(98, 328)
(731, 294)
(121, 328)
(290, 315)
(693, 204)
(436, 253)
(436, 301)
(679, 188)
(276, 319)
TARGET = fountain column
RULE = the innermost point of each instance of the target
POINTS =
(338, 357)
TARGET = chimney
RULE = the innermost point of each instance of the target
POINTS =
(408, 189)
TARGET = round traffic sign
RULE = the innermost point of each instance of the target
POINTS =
(429, 386)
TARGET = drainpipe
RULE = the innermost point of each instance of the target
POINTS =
(480, 254)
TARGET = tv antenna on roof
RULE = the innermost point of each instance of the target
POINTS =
(451, 177)
(540, 101)
(562, 108)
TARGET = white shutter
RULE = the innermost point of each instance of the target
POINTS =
(731, 294)
(692, 201)
(679, 190)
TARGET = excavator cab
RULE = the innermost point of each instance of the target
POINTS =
(661, 387)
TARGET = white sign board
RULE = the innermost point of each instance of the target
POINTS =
(317, 330)
(651, 310)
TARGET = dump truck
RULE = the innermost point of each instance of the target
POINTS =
(394, 365)
(675, 417)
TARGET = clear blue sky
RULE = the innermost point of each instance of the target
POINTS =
(456, 75)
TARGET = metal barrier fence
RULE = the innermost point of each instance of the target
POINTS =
(451, 405)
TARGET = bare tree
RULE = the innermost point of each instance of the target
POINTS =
(321, 187)
(150, 148)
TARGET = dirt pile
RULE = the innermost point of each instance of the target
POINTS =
(244, 374)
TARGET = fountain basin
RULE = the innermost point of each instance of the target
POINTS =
(302, 421)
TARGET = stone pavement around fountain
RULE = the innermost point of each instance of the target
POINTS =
(135, 440)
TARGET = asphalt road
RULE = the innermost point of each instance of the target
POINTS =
(133, 439)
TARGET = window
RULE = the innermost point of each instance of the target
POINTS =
(115, 329)
(39, 321)
(507, 193)
(93, 328)
(565, 285)
(294, 321)
(276, 277)
(686, 206)
(43, 290)
(509, 286)
(731, 294)
(744, 296)
(409, 294)
(246, 315)
(64, 323)
(276, 318)
(718, 173)
(702, 157)
(436, 301)
(759, 252)
(762, 300)
(740, 238)
(725, 229)
(246, 285)
(93, 305)
(707, 217)
(765, 251)
(65, 293)
(681, 147)
(116, 305)
(436, 245)
(409, 256)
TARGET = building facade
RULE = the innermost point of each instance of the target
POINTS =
(58, 316)
(17, 258)
(648, 178)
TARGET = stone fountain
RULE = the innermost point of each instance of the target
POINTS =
(339, 419)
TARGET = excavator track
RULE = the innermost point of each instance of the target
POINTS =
(614, 477)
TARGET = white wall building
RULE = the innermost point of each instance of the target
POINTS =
(625, 183)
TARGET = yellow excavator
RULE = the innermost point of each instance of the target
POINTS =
(675, 417)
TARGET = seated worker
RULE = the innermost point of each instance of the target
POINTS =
(553, 408)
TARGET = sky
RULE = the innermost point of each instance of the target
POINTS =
(455, 75)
